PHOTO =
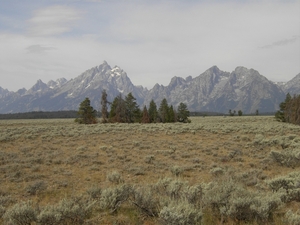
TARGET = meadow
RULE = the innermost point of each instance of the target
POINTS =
(214, 170)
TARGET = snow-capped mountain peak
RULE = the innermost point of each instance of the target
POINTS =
(213, 90)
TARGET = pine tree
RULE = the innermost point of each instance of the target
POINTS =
(240, 112)
(153, 114)
(104, 112)
(281, 115)
(292, 110)
(171, 115)
(118, 110)
(183, 113)
(132, 109)
(145, 117)
(163, 111)
(86, 113)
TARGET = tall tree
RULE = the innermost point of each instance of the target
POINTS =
(163, 111)
(86, 113)
(240, 112)
(183, 113)
(153, 114)
(132, 109)
(145, 117)
(104, 111)
(281, 115)
(118, 110)
(292, 110)
(171, 115)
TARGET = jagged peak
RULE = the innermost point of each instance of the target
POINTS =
(39, 85)
(116, 68)
(3, 91)
(61, 80)
(21, 91)
(297, 77)
(176, 81)
(188, 78)
(242, 69)
(39, 81)
(211, 70)
(214, 69)
(103, 67)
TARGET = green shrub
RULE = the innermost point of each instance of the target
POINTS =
(94, 192)
(289, 183)
(36, 187)
(112, 198)
(177, 170)
(114, 177)
(146, 201)
(292, 218)
(67, 211)
(229, 199)
(180, 213)
(289, 157)
(22, 213)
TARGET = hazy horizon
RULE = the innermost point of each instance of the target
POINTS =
(152, 41)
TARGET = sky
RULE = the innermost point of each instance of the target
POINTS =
(151, 40)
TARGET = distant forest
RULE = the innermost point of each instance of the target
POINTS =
(73, 114)
(40, 115)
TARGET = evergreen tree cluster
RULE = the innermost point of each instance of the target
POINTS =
(128, 111)
(86, 113)
(289, 110)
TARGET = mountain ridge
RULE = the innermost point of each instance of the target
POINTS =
(213, 90)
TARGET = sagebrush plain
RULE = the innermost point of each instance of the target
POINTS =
(161, 167)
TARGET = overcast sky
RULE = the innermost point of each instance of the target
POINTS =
(151, 40)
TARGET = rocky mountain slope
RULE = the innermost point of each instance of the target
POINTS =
(292, 86)
(218, 91)
(214, 90)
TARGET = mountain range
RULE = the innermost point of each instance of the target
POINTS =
(214, 91)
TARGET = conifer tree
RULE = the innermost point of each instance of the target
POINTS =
(281, 115)
(86, 113)
(104, 102)
(183, 113)
(171, 115)
(163, 111)
(132, 109)
(153, 114)
(118, 110)
(145, 117)
(292, 109)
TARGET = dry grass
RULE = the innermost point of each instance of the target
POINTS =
(58, 158)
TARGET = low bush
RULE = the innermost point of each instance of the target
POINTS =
(112, 198)
(180, 213)
(67, 211)
(23, 213)
(288, 157)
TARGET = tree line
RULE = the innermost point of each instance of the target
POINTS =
(126, 110)
(40, 115)
(289, 110)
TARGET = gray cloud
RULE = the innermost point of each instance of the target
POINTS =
(282, 42)
(151, 40)
(53, 20)
(38, 49)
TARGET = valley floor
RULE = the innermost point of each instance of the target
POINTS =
(151, 170)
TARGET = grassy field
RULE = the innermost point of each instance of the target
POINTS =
(151, 170)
